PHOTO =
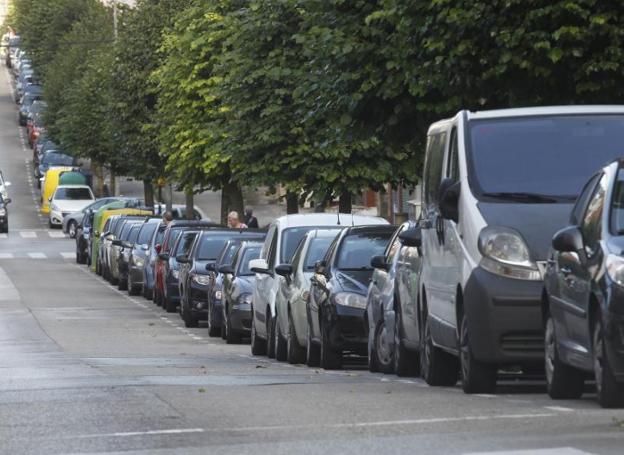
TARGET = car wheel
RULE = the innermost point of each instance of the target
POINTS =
(213, 331)
(270, 331)
(187, 317)
(122, 284)
(437, 368)
(562, 381)
(280, 342)
(331, 359)
(610, 392)
(313, 351)
(231, 337)
(477, 376)
(50, 225)
(383, 352)
(294, 352)
(71, 229)
(406, 362)
(258, 345)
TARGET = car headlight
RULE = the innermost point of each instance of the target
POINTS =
(244, 299)
(202, 280)
(615, 268)
(505, 253)
(218, 295)
(175, 273)
(2, 212)
(138, 261)
(351, 300)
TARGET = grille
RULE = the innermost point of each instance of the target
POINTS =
(523, 342)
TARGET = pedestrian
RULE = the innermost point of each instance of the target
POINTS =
(250, 220)
(167, 218)
(234, 221)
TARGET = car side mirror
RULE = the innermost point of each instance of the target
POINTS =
(568, 240)
(182, 259)
(411, 237)
(319, 267)
(226, 269)
(145, 247)
(448, 199)
(379, 262)
(259, 266)
(211, 267)
(117, 242)
(284, 270)
(163, 256)
(158, 248)
(128, 245)
(8, 200)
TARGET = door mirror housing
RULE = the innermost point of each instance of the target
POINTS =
(568, 240)
(284, 270)
(411, 237)
(259, 266)
(448, 199)
(163, 256)
(226, 269)
(8, 200)
(117, 242)
(182, 259)
(379, 262)
(319, 267)
(211, 267)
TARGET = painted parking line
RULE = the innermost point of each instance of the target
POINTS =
(4, 236)
(6, 256)
(68, 255)
(28, 234)
(56, 234)
(37, 255)
(549, 451)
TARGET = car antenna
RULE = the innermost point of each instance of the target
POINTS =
(352, 220)
(338, 213)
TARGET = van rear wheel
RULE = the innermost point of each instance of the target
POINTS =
(438, 368)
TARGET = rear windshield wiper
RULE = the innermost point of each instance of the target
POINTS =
(528, 197)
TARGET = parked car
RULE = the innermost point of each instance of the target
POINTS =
(181, 248)
(282, 239)
(149, 272)
(391, 313)
(238, 284)
(27, 100)
(68, 199)
(125, 244)
(214, 291)
(4, 214)
(3, 186)
(497, 185)
(82, 236)
(53, 159)
(110, 251)
(337, 303)
(583, 304)
(140, 255)
(72, 220)
(291, 302)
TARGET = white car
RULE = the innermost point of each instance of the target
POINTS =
(284, 235)
(3, 187)
(68, 199)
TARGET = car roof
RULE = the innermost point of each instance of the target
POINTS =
(354, 230)
(327, 219)
(193, 223)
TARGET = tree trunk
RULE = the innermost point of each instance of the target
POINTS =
(231, 200)
(98, 172)
(169, 198)
(292, 203)
(190, 204)
(148, 193)
(112, 189)
(345, 204)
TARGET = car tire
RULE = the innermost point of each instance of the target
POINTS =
(477, 376)
(280, 343)
(231, 337)
(313, 351)
(189, 321)
(270, 331)
(382, 353)
(406, 362)
(122, 284)
(610, 393)
(295, 354)
(213, 331)
(170, 307)
(258, 345)
(71, 229)
(437, 368)
(562, 381)
(331, 359)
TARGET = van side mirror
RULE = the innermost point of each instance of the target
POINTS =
(379, 262)
(284, 270)
(568, 240)
(411, 237)
(448, 199)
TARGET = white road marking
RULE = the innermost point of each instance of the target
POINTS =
(559, 408)
(144, 433)
(6, 256)
(4, 236)
(68, 255)
(197, 338)
(37, 255)
(554, 451)
(56, 234)
(28, 234)
(484, 395)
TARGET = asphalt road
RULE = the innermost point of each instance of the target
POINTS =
(86, 369)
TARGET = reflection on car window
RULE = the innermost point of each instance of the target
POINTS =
(357, 249)
(72, 194)
(617, 206)
(185, 243)
(211, 245)
(316, 251)
(592, 221)
(249, 254)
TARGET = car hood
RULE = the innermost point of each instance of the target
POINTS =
(356, 282)
(72, 206)
(536, 222)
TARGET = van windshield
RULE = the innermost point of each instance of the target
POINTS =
(541, 159)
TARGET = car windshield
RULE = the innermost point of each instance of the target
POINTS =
(617, 206)
(73, 194)
(550, 156)
(134, 232)
(125, 231)
(185, 243)
(173, 236)
(58, 158)
(146, 233)
(316, 251)
(291, 238)
(227, 253)
(211, 245)
(159, 236)
(250, 253)
(357, 250)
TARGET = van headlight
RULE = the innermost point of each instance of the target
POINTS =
(350, 299)
(505, 253)
(615, 268)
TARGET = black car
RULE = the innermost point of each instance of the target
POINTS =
(238, 284)
(195, 279)
(125, 244)
(583, 304)
(120, 235)
(82, 236)
(181, 248)
(214, 292)
(4, 214)
(337, 302)
(139, 255)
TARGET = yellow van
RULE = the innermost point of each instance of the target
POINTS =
(50, 182)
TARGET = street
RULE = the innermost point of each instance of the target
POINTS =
(85, 368)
